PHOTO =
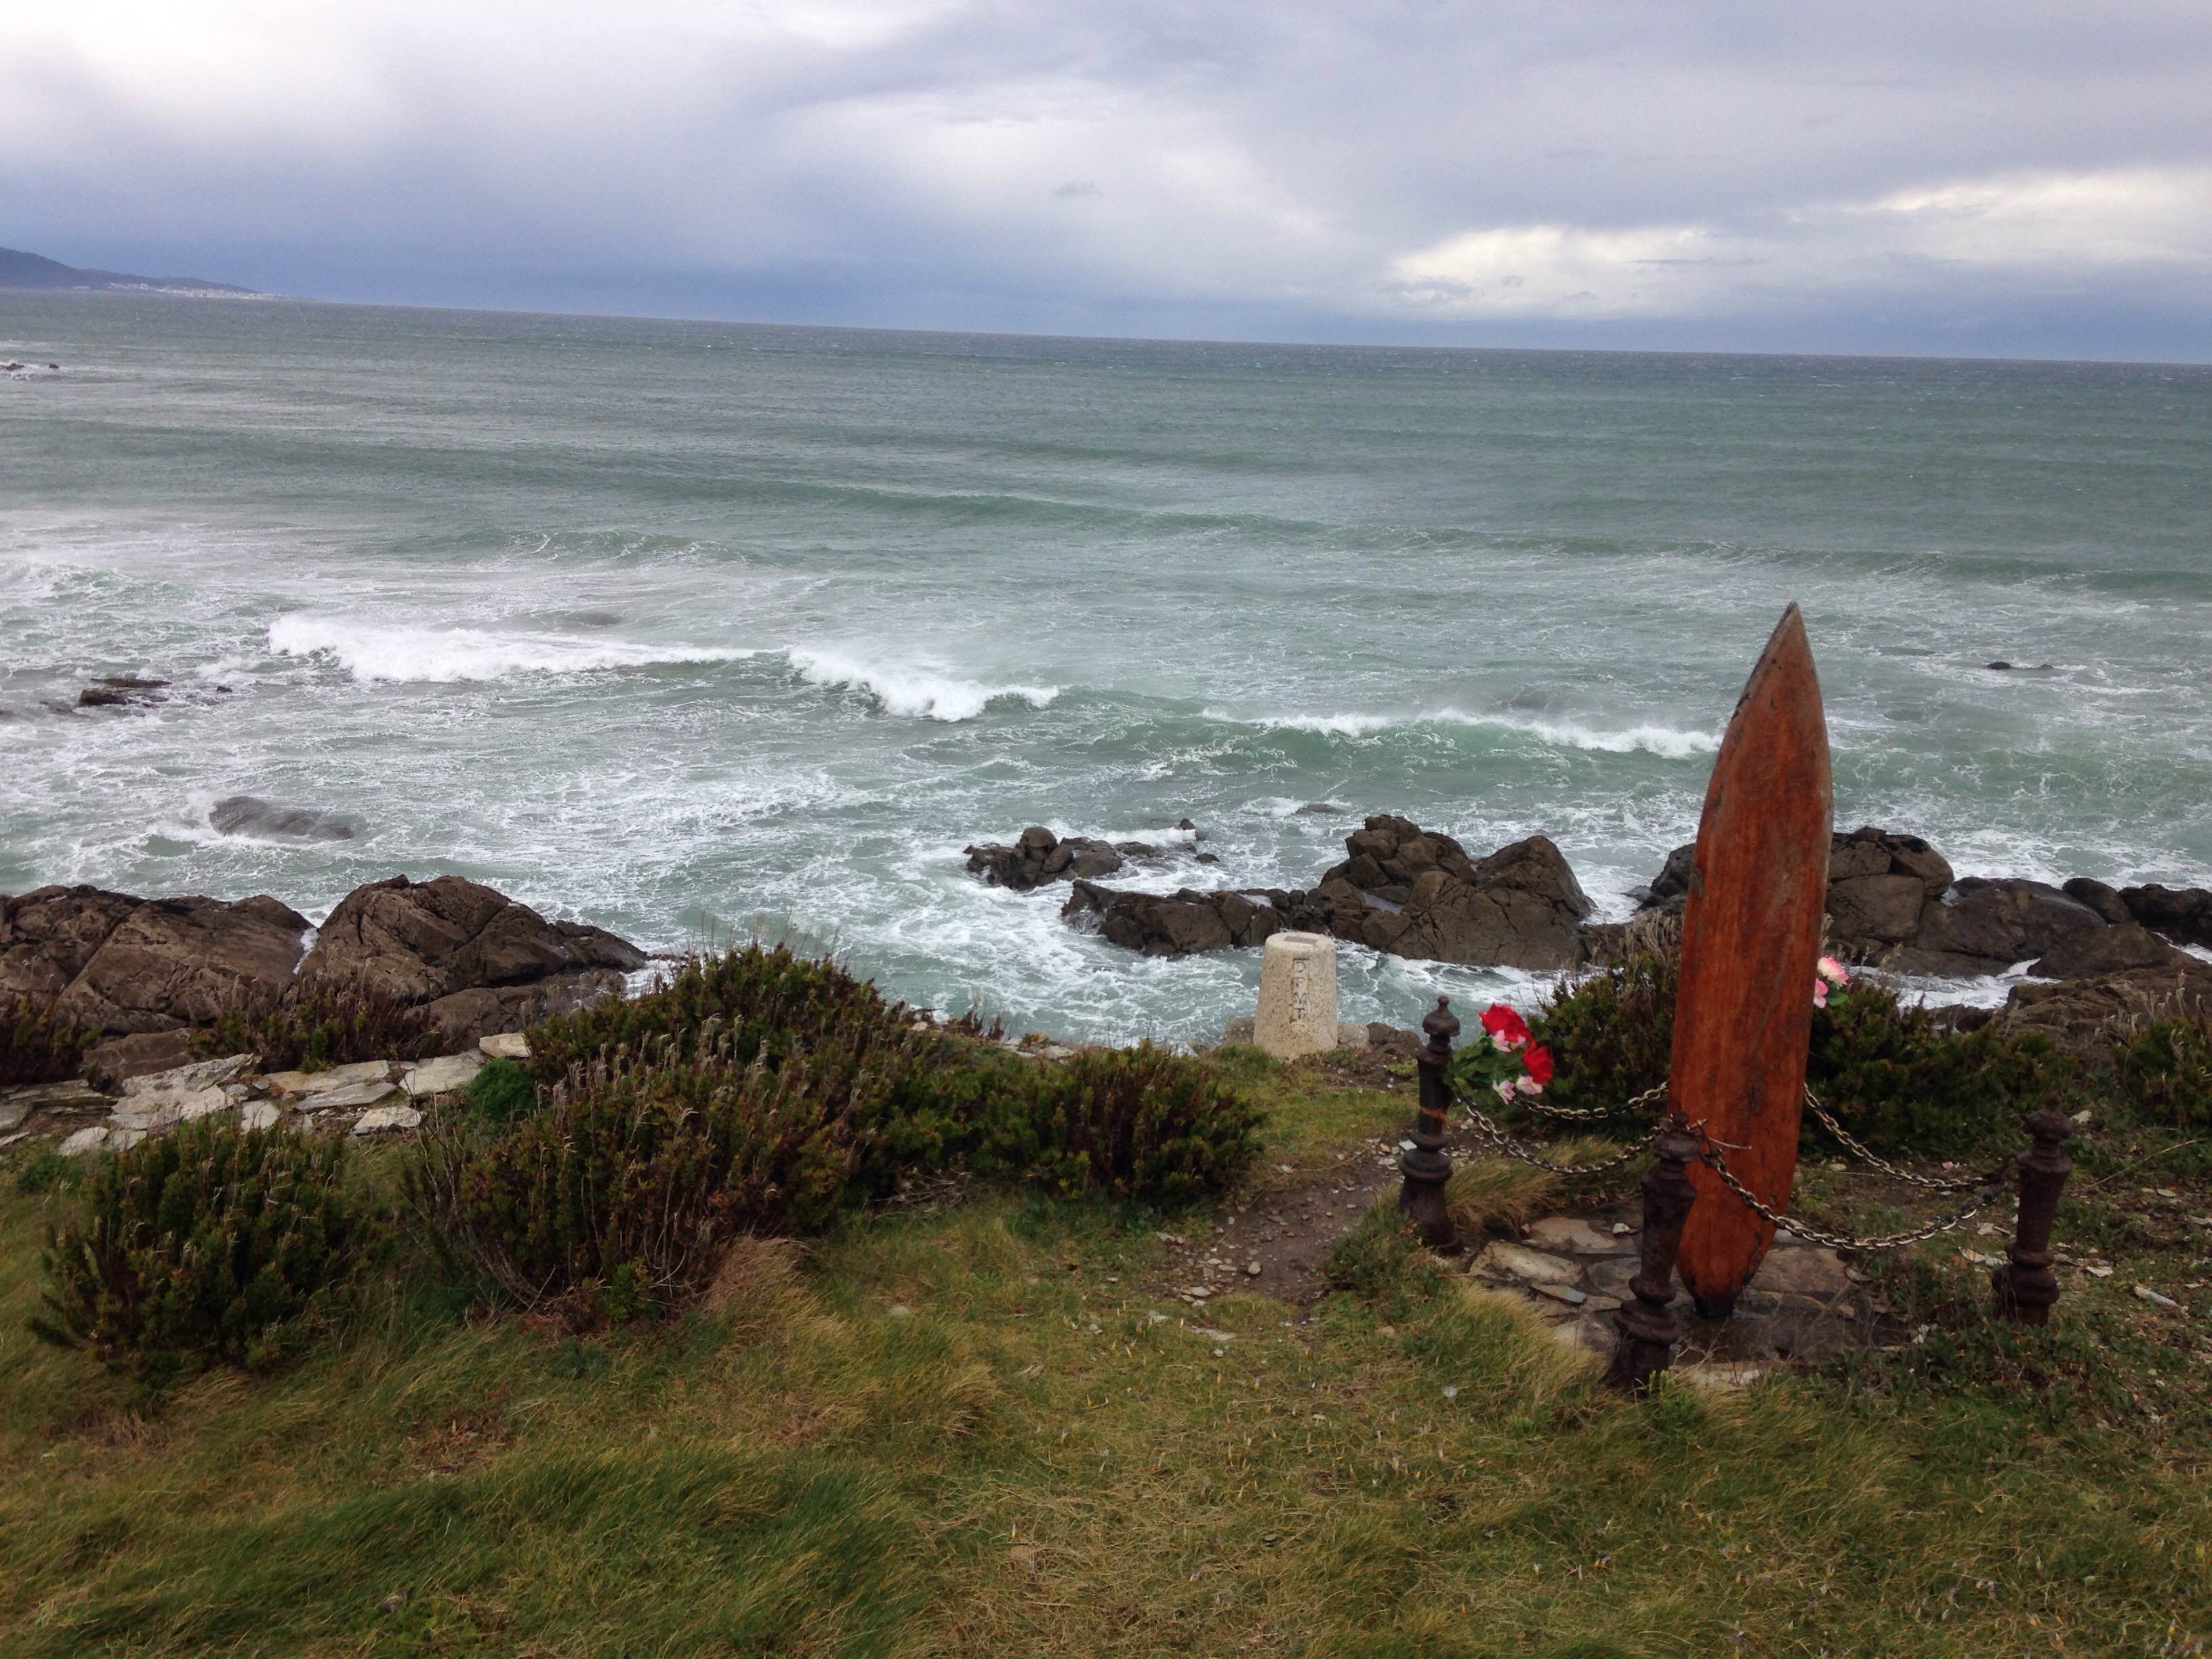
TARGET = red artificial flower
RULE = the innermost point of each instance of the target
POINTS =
(1505, 1027)
(1537, 1062)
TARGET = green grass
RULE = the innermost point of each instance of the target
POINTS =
(966, 1432)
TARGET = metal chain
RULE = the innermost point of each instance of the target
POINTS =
(1991, 1184)
(1932, 1183)
(1490, 1131)
(1713, 1161)
(1585, 1113)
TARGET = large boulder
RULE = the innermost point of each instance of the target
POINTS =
(2182, 913)
(49, 934)
(431, 942)
(1880, 887)
(109, 963)
(1415, 893)
(1985, 926)
(1038, 856)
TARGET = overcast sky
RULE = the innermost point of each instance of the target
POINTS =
(1974, 176)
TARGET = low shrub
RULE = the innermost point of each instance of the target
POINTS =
(42, 1172)
(1611, 1035)
(35, 1047)
(1892, 1074)
(1897, 1077)
(766, 999)
(322, 1028)
(210, 1243)
(1139, 1123)
(2167, 1071)
(620, 1194)
(502, 1092)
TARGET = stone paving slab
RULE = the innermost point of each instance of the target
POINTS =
(381, 1120)
(441, 1076)
(368, 1091)
(191, 1079)
(338, 1077)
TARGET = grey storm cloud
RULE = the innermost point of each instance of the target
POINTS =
(2007, 176)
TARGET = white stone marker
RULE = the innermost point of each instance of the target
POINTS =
(1298, 995)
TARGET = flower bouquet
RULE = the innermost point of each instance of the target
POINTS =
(1506, 1058)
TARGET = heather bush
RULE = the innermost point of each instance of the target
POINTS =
(767, 999)
(208, 1244)
(2167, 1071)
(623, 1189)
(1139, 1123)
(764, 1002)
(321, 1028)
(1893, 1074)
(35, 1047)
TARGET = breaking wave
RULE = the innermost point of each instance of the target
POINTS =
(922, 692)
(1666, 742)
(372, 652)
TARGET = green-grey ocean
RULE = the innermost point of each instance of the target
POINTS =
(694, 629)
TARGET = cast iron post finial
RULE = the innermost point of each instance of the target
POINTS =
(1647, 1325)
(1427, 1167)
(2026, 1287)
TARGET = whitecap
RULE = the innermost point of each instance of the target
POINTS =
(372, 652)
(921, 691)
(1667, 742)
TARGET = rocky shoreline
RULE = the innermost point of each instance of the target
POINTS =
(2092, 952)
(149, 981)
(146, 976)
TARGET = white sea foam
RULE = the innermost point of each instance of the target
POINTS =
(373, 651)
(923, 690)
(1666, 742)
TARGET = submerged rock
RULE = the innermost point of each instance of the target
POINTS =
(250, 814)
(123, 691)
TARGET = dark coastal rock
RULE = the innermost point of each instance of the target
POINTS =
(250, 814)
(2184, 914)
(1401, 889)
(1880, 885)
(110, 963)
(2084, 1015)
(1038, 856)
(1182, 923)
(2092, 952)
(1985, 926)
(1414, 893)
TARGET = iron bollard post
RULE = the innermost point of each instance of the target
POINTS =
(1646, 1323)
(1425, 1165)
(2026, 1287)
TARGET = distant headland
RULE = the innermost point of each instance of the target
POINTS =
(19, 269)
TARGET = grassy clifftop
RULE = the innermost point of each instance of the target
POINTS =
(991, 1428)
